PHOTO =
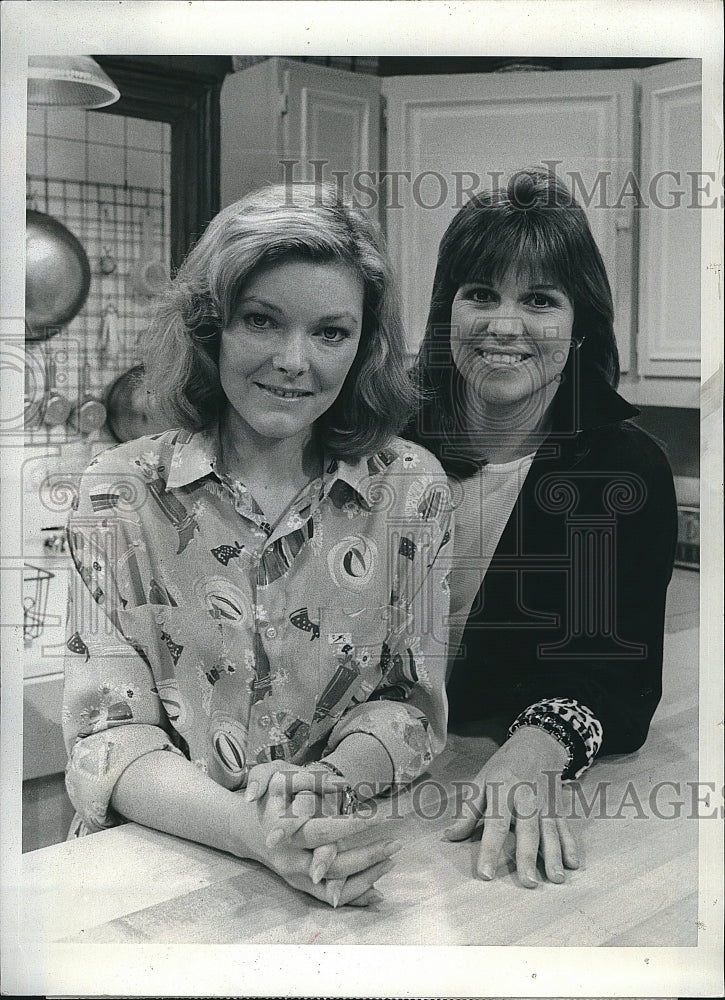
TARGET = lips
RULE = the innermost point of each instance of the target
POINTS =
(282, 392)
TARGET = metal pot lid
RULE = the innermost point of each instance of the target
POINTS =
(57, 276)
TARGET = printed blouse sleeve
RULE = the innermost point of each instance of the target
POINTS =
(111, 713)
(407, 711)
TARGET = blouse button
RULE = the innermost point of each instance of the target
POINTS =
(271, 632)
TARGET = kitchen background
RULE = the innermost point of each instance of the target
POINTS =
(137, 181)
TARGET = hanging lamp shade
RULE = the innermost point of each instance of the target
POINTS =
(69, 81)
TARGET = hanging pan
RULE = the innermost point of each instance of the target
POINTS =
(57, 406)
(90, 413)
(130, 407)
(57, 276)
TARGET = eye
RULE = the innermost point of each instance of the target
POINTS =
(480, 294)
(258, 321)
(333, 334)
(539, 300)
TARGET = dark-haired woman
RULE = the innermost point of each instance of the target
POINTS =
(566, 525)
(238, 621)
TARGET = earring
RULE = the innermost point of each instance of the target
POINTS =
(578, 341)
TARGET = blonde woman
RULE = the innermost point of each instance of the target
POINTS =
(239, 621)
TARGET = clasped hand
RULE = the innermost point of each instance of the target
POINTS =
(305, 840)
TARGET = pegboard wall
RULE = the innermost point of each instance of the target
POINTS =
(119, 226)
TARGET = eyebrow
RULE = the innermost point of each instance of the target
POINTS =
(336, 317)
(260, 302)
(331, 318)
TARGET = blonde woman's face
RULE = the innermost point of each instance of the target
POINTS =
(289, 346)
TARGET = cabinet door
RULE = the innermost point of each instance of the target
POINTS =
(332, 127)
(251, 110)
(286, 120)
(448, 132)
(670, 222)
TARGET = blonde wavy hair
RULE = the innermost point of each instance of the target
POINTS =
(265, 227)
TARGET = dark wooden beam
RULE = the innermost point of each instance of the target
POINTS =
(416, 65)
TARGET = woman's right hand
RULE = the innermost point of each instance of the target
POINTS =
(519, 787)
(285, 843)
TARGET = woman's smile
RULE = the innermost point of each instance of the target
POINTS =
(284, 393)
(506, 359)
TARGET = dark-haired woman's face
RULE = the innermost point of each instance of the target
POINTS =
(510, 340)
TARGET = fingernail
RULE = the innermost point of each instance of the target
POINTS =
(251, 792)
(316, 873)
(486, 872)
(530, 880)
(373, 896)
(336, 893)
(392, 847)
(275, 837)
(559, 875)
(386, 866)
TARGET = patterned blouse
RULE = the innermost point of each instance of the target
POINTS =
(197, 627)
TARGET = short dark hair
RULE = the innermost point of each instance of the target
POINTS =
(534, 225)
(265, 227)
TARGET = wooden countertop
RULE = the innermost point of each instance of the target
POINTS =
(637, 885)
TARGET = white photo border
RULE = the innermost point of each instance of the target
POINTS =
(617, 28)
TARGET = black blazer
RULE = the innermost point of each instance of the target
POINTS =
(573, 602)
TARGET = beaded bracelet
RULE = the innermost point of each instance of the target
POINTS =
(577, 759)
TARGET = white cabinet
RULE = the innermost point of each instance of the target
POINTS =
(610, 135)
(628, 143)
(670, 224)
(465, 132)
(286, 120)
(43, 748)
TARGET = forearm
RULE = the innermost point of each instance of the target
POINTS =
(166, 792)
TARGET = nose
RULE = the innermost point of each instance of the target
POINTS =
(503, 324)
(291, 358)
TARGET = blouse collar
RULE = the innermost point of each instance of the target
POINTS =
(195, 457)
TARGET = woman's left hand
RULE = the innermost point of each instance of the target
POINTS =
(313, 794)
(520, 785)
(270, 834)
